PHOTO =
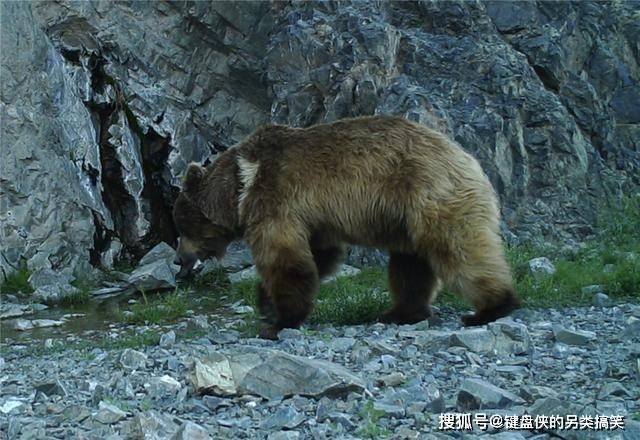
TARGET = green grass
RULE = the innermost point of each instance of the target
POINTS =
(133, 340)
(146, 404)
(160, 310)
(124, 405)
(17, 283)
(165, 308)
(352, 300)
(213, 280)
(75, 299)
(83, 295)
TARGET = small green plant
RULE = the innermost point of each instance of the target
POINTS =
(146, 404)
(119, 403)
(370, 427)
(192, 333)
(212, 280)
(17, 283)
(84, 287)
(167, 308)
(88, 355)
(76, 299)
(137, 340)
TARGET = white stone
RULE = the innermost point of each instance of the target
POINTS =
(132, 359)
(541, 267)
(344, 271)
(10, 405)
(108, 413)
(249, 273)
(213, 377)
(160, 387)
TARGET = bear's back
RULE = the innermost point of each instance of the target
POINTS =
(354, 172)
(362, 150)
(362, 141)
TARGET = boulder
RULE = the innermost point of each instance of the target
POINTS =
(154, 276)
(541, 267)
(160, 252)
(109, 414)
(573, 337)
(480, 394)
(131, 359)
(250, 273)
(163, 387)
(271, 374)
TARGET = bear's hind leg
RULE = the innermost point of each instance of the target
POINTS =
(290, 288)
(413, 285)
(484, 278)
(327, 259)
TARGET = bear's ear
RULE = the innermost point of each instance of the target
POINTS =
(192, 177)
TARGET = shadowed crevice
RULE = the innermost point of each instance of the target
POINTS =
(158, 190)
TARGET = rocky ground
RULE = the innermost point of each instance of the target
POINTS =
(367, 381)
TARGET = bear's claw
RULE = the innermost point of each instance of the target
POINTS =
(485, 316)
(269, 332)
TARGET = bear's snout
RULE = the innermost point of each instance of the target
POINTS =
(186, 265)
(185, 271)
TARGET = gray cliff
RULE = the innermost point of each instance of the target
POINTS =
(104, 103)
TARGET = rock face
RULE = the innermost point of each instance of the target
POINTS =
(103, 105)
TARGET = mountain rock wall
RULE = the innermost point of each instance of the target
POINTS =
(103, 104)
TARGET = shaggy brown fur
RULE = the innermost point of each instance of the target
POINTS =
(297, 195)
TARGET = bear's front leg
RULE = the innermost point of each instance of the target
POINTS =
(290, 288)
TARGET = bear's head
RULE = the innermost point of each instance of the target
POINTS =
(205, 214)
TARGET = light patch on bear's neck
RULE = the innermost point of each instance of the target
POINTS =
(248, 173)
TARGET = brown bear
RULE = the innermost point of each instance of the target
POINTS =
(298, 195)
